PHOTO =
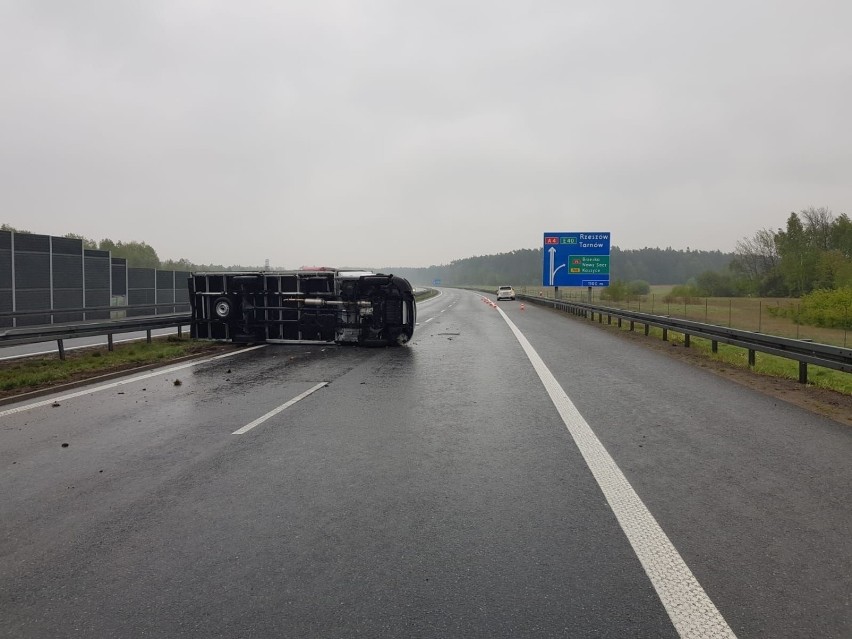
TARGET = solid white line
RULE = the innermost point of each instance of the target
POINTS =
(122, 382)
(690, 609)
(283, 406)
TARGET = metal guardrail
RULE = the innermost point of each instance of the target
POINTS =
(60, 332)
(91, 309)
(803, 351)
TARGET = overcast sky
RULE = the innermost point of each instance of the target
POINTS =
(392, 133)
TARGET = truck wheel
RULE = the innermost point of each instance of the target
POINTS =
(222, 308)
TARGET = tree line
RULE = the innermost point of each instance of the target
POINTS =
(813, 252)
(524, 267)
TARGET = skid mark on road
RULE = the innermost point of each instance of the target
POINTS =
(690, 609)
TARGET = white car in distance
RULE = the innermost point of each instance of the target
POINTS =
(505, 293)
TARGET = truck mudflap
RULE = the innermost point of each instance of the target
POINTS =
(302, 307)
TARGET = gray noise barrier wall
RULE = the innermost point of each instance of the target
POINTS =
(173, 288)
(67, 269)
(119, 279)
(6, 305)
(32, 277)
(98, 274)
(182, 291)
(165, 291)
(55, 274)
(141, 291)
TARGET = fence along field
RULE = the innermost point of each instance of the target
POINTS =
(760, 315)
(747, 314)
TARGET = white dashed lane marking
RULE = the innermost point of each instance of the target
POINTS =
(275, 411)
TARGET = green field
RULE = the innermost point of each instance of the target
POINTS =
(744, 313)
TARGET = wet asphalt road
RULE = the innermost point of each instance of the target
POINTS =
(427, 491)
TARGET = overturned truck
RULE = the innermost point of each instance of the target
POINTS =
(346, 307)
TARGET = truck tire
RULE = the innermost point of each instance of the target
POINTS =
(222, 308)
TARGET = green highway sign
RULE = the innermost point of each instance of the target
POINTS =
(588, 264)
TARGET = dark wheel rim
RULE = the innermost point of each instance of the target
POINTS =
(222, 308)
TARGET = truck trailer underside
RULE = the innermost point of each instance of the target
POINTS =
(302, 307)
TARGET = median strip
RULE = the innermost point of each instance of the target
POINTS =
(129, 380)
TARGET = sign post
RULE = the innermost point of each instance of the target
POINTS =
(576, 259)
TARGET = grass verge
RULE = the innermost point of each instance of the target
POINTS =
(425, 295)
(828, 392)
(34, 373)
(765, 364)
